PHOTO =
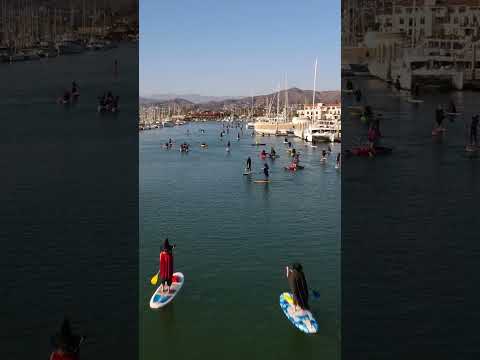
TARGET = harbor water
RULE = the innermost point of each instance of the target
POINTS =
(410, 228)
(234, 238)
(69, 204)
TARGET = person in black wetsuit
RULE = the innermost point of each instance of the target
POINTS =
(75, 92)
(249, 164)
(451, 107)
(349, 85)
(298, 286)
(439, 115)
(265, 171)
(358, 95)
(397, 83)
(473, 129)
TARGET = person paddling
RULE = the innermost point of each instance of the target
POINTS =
(298, 286)
(66, 344)
(266, 171)
(272, 152)
(452, 108)
(473, 130)
(166, 266)
(439, 115)
(249, 164)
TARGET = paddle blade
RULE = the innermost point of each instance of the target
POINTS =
(316, 294)
(154, 279)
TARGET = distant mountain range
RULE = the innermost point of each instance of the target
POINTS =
(193, 98)
(295, 96)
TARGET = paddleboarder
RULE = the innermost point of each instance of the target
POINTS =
(298, 286)
(473, 129)
(166, 266)
(272, 153)
(249, 164)
(266, 171)
(439, 115)
(66, 344)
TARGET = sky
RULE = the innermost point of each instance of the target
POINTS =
(238, 47)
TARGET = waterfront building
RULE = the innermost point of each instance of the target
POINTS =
(319, 122)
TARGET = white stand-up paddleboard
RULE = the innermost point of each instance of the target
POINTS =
(414, 101)
(302, 319)
(160, 300)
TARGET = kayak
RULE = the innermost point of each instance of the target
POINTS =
(259, 144)
(414, 101)
(261, 181)
(366, 151)
(204, 145)
(291, 168)
(159, 300)
(453, 113)
(471, 148)
(438, 131)
(302, 319)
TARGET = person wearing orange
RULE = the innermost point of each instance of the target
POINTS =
(166, 266)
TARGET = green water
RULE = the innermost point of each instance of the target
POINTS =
(234, 239)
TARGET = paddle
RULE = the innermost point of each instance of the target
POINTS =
(154, 279)
(315, 294)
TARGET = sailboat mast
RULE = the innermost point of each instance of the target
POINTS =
(314, 89)
(286, 99)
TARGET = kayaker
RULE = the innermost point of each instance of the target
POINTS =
(249, 164)
(439, 114)
(265, 171)
(228, 144)
(298, 286)
(66, 96)
(473, 129)
(263, 153)
(339, 159)
(294, 152)
(289, 145)
(66, 344)
(166, 266)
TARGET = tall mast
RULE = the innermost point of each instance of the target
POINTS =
(286, 99)
(314, 88)
(414, 20)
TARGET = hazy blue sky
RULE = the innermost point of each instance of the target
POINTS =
(237, 47)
